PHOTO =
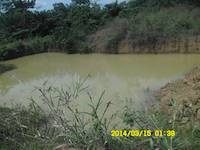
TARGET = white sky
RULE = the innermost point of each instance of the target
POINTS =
(48, 4)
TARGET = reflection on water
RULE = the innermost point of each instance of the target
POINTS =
(122, 76)
(6, 67)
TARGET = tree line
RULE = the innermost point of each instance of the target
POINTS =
(65, 28)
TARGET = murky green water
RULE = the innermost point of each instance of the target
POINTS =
(122, 76)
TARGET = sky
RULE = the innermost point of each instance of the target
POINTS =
(48, 4)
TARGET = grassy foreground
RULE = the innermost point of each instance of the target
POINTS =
(65, 127)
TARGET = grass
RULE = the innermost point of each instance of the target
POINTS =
(64, 126)
(21, 128)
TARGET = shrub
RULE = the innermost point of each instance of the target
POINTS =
(26, 47)
(38, 45)
(11, 50)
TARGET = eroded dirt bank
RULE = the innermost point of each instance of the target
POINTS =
(116, 38)
(128, 46)
(177, 45)
(185, 94)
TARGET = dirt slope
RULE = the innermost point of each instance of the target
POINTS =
(185, 93)
(115, 37)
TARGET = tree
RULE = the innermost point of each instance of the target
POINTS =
(115, 8)
(6, 5)
(24, 4)
(81, 2)
(161, 3)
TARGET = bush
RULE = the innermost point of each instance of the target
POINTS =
(38, 45)
(27, 47)
(11, 50)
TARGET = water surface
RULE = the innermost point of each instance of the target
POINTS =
(124, 77)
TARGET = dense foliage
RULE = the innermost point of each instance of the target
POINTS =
(23, 4)
(65, 28)
(65, 25)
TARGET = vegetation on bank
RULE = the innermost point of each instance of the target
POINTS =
(20, 128)
(62, 126)
(68, 28)
(6, 67)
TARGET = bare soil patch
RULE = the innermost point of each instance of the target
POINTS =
(185, 93)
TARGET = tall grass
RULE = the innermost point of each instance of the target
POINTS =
(22, 128)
